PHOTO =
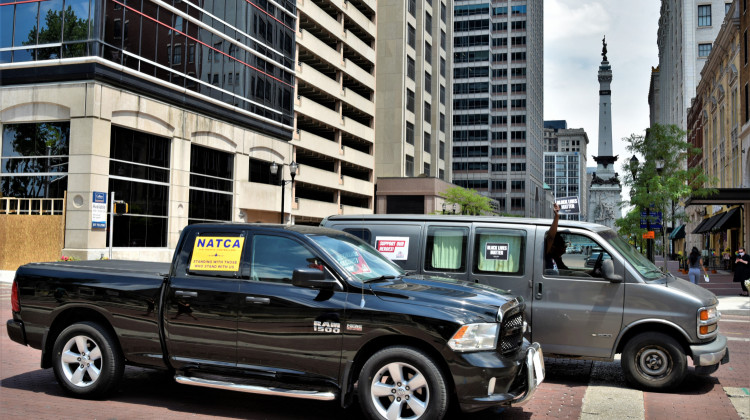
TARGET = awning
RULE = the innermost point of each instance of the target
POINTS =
(699, 228)
(678, 233)
(730, 219)
(723, 196)
(706, 227)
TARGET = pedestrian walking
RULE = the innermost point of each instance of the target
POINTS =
(695, 265)
(742, 270)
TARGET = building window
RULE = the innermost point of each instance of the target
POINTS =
(426, 169)
(409, 100)
(139, 175)
(35, 160)
(727, 6)
(411, 36)
(260, 172)
(704, 50)
(442, 95)
(410, 133)
(443, 12)
(410, 65)
(704, 15)
(211, 185)
(428, 23)
(517, 186)
(428, 82)
(427, 112)
(427, 52)
(442, 66)
(442, 39)
(442, 122)
(517, 204)
(442, 150)
(413, 7)
(427, 142)
(409, 167)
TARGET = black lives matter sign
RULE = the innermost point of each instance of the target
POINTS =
(496, 251)
(568, 205)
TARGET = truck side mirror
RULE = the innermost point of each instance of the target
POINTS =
(608, 271)
(312, 278)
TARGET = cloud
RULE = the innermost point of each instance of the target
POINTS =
(573, 19)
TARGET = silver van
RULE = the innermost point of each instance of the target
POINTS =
(607, 299)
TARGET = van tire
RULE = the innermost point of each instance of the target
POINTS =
(654, 362)
(379, 392)
(87, 360)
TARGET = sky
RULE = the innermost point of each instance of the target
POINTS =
(573, 31)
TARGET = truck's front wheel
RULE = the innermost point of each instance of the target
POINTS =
(87, 360)
(402, 383)
(654, 362)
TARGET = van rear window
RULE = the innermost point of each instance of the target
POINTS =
(499, 251)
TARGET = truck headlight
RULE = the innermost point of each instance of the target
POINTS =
(475, 337)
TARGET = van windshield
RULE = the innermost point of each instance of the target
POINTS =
(358, 258)
(639, 261)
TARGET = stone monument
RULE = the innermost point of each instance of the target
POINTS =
(605, 190)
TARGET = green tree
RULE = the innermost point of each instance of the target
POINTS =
(60, 26)
(662, 176)
(470, 201)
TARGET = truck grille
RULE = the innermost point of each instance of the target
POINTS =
(511, 330)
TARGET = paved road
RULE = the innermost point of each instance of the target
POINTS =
(573, 390)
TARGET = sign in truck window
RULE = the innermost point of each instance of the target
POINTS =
(395, 248)
(216, 253)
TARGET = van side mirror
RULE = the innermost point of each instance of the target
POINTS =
(608, 271)
(312, 278)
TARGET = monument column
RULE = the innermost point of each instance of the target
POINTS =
(605, 191)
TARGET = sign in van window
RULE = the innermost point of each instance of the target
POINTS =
(496, 251)
(216, 253)
(395, 248)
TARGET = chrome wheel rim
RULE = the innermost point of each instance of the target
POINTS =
(399, 391)
(81, 361)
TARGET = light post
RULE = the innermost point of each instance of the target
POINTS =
(649, 242)
(282, 182)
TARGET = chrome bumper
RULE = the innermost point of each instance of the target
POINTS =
(534, 371)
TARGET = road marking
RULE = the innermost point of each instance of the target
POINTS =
(734, 320)
(609, 397)
(737, 339)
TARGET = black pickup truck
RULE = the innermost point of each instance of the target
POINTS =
(293, 311)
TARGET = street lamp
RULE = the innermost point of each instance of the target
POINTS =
(282, 182)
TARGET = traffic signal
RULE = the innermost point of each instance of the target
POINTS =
(121, 207)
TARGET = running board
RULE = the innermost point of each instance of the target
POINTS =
(252, 389)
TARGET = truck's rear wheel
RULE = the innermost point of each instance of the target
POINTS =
(87, 361)
(654, 362)
(402, 383)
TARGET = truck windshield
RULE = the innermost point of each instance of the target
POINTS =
(358, 258)
(639, 261)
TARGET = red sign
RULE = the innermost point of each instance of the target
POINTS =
(649, 235)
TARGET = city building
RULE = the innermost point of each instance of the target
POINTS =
(181, 111)
(413, 125)
(687, 30)
(497, 103)
(334, 136)
(720, 219)
(686, 34)
(565, 164)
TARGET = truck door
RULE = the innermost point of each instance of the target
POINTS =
(200, 316)
(285, 329)
(575, 311)
(500, 258)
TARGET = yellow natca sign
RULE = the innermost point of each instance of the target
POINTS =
(216, 253)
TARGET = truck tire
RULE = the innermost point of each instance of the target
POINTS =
(402, 383)
(87, 361)
(654, 362)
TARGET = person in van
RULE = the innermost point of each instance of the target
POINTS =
(555, 245)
